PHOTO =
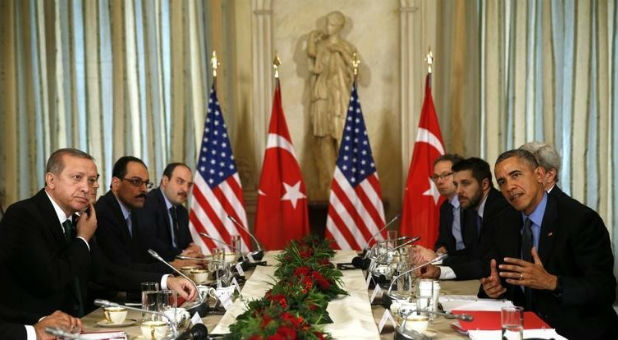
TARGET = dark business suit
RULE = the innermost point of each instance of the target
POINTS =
(13, 331)
(468, 264)
(445, 236)
(154, 223)
(39, 265)
(574, 245)
(117, 243)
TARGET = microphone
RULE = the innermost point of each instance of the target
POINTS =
(434, 260)
(215, 239)
(257, 255)
(363, 262)
(59, 333)
(197, 332)
(387, 298)
(170, 322)
(154, 254)
(379, 232)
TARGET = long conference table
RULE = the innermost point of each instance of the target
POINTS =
(354, 317)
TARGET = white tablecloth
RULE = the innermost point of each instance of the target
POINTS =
(352, 315)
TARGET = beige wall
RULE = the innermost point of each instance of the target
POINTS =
(372, 26)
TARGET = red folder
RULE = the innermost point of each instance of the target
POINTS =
(490, 320)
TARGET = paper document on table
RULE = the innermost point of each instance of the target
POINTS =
(528, 333)
(479, 304)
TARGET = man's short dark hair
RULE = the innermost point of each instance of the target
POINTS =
(450, 157)
(120, 167)
(55, 162)
(480, 169)
(524, 155)
(169, 169)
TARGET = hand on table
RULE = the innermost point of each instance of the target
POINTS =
(57, 319)
(183, 287)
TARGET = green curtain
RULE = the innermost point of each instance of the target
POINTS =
(522, 70)
(110, 77)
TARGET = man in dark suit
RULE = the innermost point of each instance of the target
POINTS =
(549, 160)
(556, 260)
(48, 255)
(164, 221)
(450, 237)
(119, 234)
(19, 331)
(484, 208)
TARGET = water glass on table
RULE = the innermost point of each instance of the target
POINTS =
(149, 298)
(512, 322)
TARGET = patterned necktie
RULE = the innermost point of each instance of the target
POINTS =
(129, 225)
(174, 230)
(68, 230)
(526, 241)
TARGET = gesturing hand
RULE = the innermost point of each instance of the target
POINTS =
(492, 284)
(521, 273)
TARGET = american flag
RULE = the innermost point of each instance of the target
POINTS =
(355, 211)
(217, 191)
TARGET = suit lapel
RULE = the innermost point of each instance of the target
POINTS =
(550, 219)
(119, 216)
(49, 214)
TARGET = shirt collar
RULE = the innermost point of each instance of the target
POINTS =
(537, 215)
(550, 189)
(481, 208)
(62, 217)
(454, 201)
(125, 211)
(168, 204)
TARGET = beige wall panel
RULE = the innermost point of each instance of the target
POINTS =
(371, 26)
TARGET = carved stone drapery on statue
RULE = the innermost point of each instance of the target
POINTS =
(332, 75)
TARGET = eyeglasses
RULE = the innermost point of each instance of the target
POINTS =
(435, 177)
(137, 182)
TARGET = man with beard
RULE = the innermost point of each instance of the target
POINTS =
(555, 259)
(118, 233)
(484, 208)
(164, 220)
(48, 255)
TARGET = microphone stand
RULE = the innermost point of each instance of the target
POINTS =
(170, 322)
(259, 254)
(158, 257)
(387, 298)
(366, 249)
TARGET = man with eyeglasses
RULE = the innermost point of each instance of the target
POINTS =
(48, 255)
(450, 237)
(164, 218)
(119, 233)
(484, 208)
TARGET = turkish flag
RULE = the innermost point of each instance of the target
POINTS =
(282, 213)
(421, 203)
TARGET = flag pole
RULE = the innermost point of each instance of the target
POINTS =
(355, 63)
(214, 63)
(276, 64)
(429, 60)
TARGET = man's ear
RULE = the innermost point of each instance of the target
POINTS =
(50, 180)
(539, 173)
(485, 184)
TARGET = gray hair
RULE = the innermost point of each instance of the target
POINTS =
(547, 157)
(55, 163)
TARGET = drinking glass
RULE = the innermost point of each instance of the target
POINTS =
(512, 322)
(149, 302)
(424, 297)
(391, 238)
(237, 244)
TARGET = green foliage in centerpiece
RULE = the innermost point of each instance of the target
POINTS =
(295, 306)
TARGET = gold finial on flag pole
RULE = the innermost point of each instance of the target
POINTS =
(276, 63)
(214, 63)
(355, 63)
(429, 60)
